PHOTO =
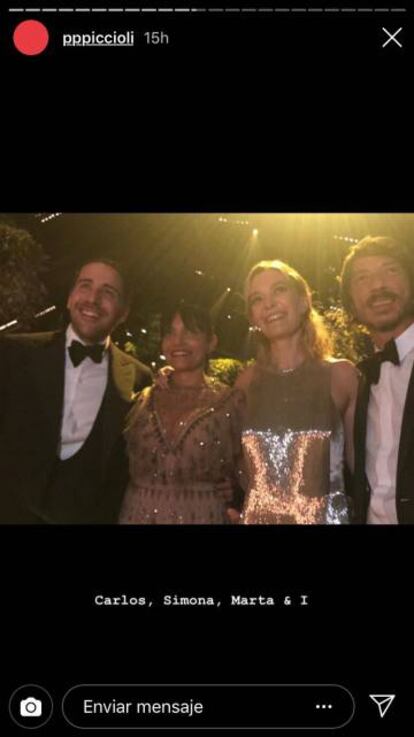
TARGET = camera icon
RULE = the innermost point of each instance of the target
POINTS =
(30, 707)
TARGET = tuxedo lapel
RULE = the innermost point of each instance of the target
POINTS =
(360, 486)
(361, 413)
(123, 373)
(47, 366)
(407, 430)
(117, 399)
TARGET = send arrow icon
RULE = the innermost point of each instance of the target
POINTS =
(383, 701)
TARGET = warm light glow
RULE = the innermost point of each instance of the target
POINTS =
(345, 238)
(44, 312)
(52, 216)
(8, 325)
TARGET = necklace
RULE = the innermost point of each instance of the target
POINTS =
(287, 370)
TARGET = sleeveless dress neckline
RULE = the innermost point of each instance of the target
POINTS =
(293, 441)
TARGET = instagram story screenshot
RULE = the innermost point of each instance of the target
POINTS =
(206, 368)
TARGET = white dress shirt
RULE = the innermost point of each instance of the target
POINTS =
(385, 414)
(84, 390)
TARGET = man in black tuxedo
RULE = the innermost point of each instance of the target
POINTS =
(377, 283)
(62, 458)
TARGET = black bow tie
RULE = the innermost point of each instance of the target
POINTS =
(78, 352)
(372, 366)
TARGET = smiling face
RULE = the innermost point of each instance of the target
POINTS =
(185, 349)
(275, 305)
(380, 293)
(96, 302)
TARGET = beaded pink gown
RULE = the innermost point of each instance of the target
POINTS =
(184, 447)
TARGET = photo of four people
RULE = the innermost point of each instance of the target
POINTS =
(90, 434)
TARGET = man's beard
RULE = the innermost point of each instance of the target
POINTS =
(407, 311)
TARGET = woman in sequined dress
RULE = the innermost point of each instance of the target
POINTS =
(184, 443)
(300, 407)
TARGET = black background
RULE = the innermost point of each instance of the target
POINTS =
(239, 113)
(355, 630)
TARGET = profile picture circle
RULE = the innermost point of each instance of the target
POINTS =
(31, 37)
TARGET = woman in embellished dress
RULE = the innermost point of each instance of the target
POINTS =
(184, 443)
(300, 407)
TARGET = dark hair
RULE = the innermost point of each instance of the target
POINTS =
(195, 318)
(115, 265)
(373, 246)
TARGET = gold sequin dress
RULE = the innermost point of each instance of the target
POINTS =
(293, 441)
(184, 448)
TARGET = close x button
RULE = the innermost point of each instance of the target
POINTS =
(213, 706)
(392, 37)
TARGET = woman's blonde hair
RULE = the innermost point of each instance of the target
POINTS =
(316, 338)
